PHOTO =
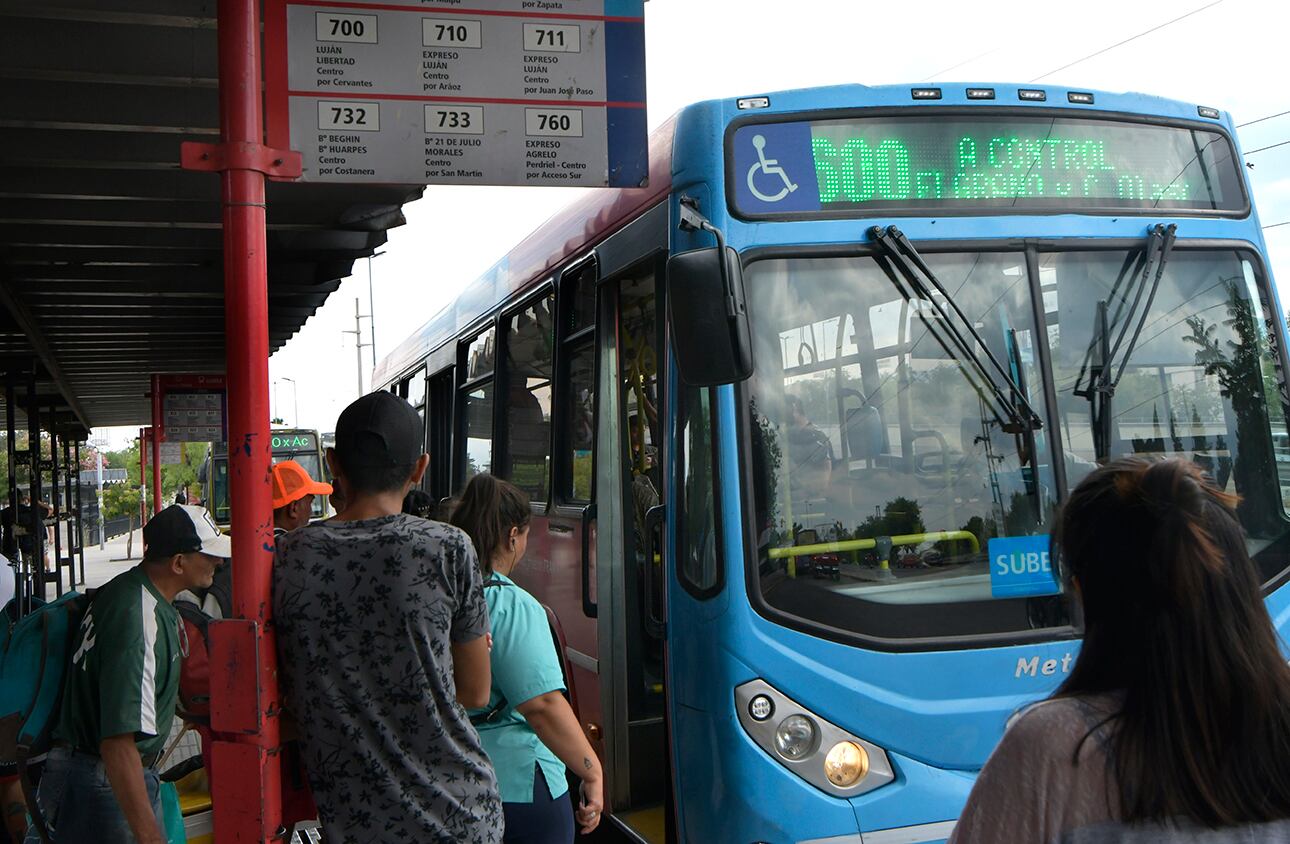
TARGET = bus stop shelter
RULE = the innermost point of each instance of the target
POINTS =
(117, 263)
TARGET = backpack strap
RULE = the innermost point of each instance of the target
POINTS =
(29, 795)
(24, 774)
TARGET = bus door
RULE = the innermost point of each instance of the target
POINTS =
(628, 491)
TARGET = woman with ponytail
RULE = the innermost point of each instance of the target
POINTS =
(528, 728)
(1174, 724)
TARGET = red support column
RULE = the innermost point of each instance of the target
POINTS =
(156, 446)
(245, 704)
(143, 475)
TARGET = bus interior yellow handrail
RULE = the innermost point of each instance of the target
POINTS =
(866, 544)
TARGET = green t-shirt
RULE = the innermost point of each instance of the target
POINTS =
(124, 676)
(525, 665)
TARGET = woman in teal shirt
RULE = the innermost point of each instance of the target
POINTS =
(528, 728)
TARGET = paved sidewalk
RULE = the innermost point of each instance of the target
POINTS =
(102, 566)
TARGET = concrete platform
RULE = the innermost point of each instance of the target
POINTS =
(102, 566)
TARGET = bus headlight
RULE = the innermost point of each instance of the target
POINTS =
(795, 737)
(837, 762)
(846, 763)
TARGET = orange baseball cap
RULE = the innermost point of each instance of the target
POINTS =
(291, 483)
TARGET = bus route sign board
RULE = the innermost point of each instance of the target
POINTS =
(470, 92)
(193, 408)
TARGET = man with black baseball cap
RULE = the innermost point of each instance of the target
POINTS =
(381, 652)
(122, 686)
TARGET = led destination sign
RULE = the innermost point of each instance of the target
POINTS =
(982, 161)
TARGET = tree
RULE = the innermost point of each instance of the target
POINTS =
(122, 501)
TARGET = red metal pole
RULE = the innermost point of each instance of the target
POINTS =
(143, 476)
(253, 694)
(156, 446)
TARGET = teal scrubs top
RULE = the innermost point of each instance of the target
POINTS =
(524, 664)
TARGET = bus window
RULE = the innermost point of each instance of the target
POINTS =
(1200, 382)
(477, 406)
(480, 355)
(877, 451)
(529, 348)
(580, 422)
(578, 435)
(414, 390)
(698, 565)
(479, 431)
(219, 489)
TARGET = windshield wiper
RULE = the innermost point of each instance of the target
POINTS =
(1105, 377)
(1013, 411)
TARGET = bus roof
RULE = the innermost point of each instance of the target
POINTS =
(568, 233)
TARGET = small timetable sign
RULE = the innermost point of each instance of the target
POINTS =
(476, 92)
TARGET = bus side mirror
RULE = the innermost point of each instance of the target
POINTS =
(709, 320)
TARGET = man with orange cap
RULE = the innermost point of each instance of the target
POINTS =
(293, 496)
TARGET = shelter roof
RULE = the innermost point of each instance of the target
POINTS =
(110, 254)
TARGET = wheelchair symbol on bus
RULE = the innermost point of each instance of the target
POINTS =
(768, 167)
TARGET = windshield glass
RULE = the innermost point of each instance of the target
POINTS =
(219, 489)
(219, 482)
(1200, 382)
(889, 501)
(310, 463)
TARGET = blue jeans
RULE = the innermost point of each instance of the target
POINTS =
(79, 805)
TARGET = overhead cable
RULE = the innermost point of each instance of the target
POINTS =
(1261, 119)
(1156, 28)
(1269, 146)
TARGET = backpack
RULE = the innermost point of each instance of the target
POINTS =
(195, 669)
(35, 653)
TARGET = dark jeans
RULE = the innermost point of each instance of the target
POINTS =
(79, 806)
(546, 820)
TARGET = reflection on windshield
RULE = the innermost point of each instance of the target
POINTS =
(890, 503)
(1200, 383)
(883, 474)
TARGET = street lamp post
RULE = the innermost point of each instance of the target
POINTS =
(295, 402)
(359, 345)
(371, 303)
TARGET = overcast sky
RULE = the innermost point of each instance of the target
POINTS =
(1230, 54)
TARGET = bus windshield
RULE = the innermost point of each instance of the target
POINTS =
(219, 482)
(889, 501)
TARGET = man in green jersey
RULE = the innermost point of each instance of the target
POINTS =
(100, 783)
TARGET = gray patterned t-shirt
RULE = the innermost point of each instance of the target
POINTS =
(365, 613)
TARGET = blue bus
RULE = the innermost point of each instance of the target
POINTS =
(796, 419)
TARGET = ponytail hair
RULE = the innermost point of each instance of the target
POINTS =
(486, 511)
(1176, 628)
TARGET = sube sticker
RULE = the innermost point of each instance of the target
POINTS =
(1021, 566)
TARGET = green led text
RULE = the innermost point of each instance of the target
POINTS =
(980, 168)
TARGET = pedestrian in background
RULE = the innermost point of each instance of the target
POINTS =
(293, 496)
(528, 727)
(1174, 724)
(381, 627)
(100, 782)
(419, 503)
